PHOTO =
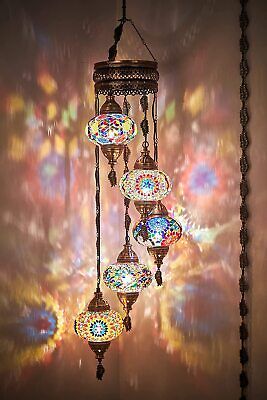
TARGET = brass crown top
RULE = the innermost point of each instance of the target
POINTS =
(98, 303)
(145, 161)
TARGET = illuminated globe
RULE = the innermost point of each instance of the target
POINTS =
(99, 326)
(130, 277)
(161, 231)
(111, 128)
(145, 185)
(98, 323)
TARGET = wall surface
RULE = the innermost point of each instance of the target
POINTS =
(185, 342)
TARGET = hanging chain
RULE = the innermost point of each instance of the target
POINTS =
(124, 10)
(127, 218)
(155, 123)
(97, 206)
(112, 53)
(244, 167)
(141, 38)
(144, 123)
(126, 155)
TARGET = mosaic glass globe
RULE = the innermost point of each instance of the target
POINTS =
(145, 185)
(111, 128)
(160, 231)
(127, 277)
(99, 326)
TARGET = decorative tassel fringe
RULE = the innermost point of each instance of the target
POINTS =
(127, 323)
(112, 177)
(158, 277)
(100, 370)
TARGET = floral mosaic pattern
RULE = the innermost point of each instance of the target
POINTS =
(99, 326)
(161, 231)
(145, 185)
(127, 277)
(111, 129)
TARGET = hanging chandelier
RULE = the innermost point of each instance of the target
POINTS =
(111, 130)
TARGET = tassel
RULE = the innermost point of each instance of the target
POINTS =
(158, 277)
(127, 323)
(112, 177)
(100, 370)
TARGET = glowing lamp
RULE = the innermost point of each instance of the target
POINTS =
(128, 278)
(145, 184)
(161, 231)
(99, 325)
(157, 233)
(111, 130)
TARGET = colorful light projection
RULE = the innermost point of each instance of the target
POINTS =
(38, 325)
(32, 325)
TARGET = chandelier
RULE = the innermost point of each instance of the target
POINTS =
(111, 130)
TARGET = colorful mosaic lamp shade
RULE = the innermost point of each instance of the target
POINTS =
(102, 326)
(128, 278)
(161, 231)
(99, 325)
(111, 128)
(157, 233)
(145, 185)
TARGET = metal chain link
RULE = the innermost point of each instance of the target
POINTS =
(244, 190)
(126, 155)
(155, 123)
